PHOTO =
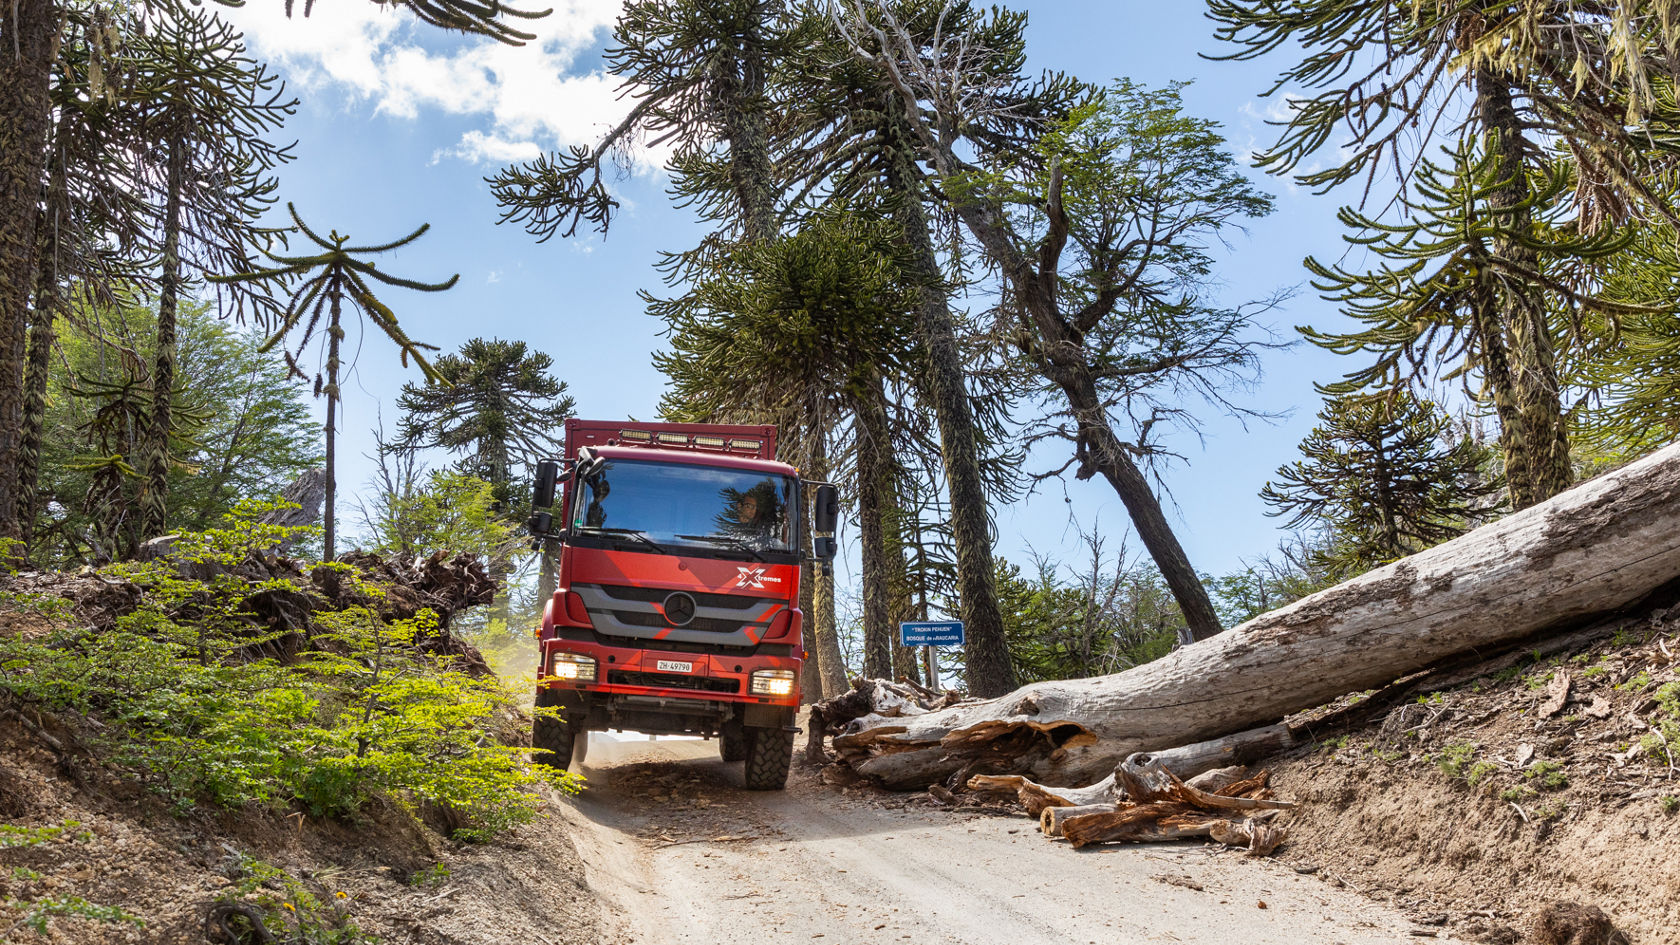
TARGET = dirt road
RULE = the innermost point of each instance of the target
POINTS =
(683, 854)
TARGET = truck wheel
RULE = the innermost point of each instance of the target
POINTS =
(732, 743)
(554, 739)
(769, 753)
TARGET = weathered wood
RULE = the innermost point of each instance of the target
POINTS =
(1051, 819)
(1592, 550)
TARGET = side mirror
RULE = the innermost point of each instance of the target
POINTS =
(548, 472)
(540, 524)
(825, 521)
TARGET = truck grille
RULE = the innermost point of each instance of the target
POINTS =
(673, 681)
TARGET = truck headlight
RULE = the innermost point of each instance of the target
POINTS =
(572, 666)
(772, 682)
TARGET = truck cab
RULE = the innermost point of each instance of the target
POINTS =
(676, 609)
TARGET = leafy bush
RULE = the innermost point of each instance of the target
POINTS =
(204, 705)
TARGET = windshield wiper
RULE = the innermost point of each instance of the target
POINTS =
(729, 539)
(637, 534)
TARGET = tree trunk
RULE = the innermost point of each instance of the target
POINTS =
(1109, 456)
(1537, 449)
(26, 52)
(826, 642)
(874, 461)
(990, 671)
(154, 470)
(329, 518)
(39, 364)
(1599, 547)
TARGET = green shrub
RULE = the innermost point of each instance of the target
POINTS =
(198, 706)
(1455, 759)
(1547, 776)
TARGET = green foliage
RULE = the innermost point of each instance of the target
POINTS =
(241, 428)
(1662, 742)
(1638, 682)
(1385, 476)
(1297, 568)
(1457, 759)
(204, 707)
(1521, 792)
(495, 403)
(37, 912)
(1112, 617)
(1547, 776)
(1669, 803)
(17, 835)
(435, 875)
(309, 912)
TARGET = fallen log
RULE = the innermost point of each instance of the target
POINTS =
(1158, 806)
(1597, 548)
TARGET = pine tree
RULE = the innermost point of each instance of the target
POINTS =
(1386, 476)
(325, 282)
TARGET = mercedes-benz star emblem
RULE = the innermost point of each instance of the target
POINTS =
(679, 609)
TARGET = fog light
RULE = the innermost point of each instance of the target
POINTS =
(572, 666)
(772, 682)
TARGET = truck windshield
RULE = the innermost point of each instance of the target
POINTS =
(694, 506)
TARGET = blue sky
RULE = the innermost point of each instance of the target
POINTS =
(399, 124)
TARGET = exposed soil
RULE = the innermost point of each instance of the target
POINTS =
(1480, 805)
(685, 855)
(388, 874)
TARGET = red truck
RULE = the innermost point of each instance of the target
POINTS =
(677, 603)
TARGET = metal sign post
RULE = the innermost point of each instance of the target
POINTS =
(929, 634)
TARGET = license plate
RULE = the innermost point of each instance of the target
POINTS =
(675, 666)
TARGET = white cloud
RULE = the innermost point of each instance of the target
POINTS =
(531, 98)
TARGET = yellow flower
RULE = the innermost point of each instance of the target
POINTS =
(290, 906)
(343, 895)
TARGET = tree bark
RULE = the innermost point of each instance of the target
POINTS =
(826, 642)
(329, 520)
(154, 470)
(27, 29)
(39, 362)
(1534, 435)
(874, 461)
(1599, 547)
(990, 671)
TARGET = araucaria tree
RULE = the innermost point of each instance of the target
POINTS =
(497, 405)
(1385, 476)
(30, 37)
(1385, 79)
(203, 108)
(1098, 233)
(326, 281)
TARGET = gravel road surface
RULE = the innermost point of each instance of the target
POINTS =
(682, 854)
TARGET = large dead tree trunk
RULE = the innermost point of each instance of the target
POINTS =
(1595, 549)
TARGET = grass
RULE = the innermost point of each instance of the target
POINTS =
(1669, 803)
(1547, 776)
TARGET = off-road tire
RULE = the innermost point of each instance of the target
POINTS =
(732, 744)
(769, 754)
(555, 740)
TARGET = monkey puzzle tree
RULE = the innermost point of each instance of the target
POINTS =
(202, 108)
(1384, 79)
(802, 329)
(1098, 232)
(30, 36)
(1387, 475)
(92, 219)
(496, 404)
(325, 282)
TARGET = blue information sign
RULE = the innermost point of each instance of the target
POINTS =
(931, 633)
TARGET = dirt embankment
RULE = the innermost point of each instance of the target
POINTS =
(76, 847)
(1551, 779)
